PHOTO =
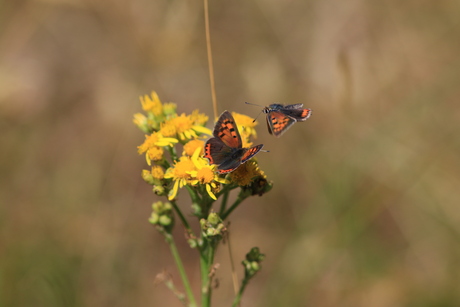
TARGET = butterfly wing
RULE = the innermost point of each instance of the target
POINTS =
(251, 152)
(278, 122)
(238, 157)
(226, 148)
(296, 111)
(227, 131)
(293, 106)
(216, 151)
(229, 165)
(299, 115)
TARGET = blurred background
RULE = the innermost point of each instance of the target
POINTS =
(365, 205)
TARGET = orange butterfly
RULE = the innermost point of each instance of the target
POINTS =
(226, 148)
(281, 117)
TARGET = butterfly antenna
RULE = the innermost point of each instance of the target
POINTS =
(264, 150)
(253, 104)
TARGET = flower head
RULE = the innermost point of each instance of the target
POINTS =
(152, 146)
(246, 125)
(206, 174)
(185, 127)
(141, 121)
(192, 145)
(246, 173)
(180, 174)
(152, 104)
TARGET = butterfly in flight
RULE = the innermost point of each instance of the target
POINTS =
(226, 148)
(281, 117)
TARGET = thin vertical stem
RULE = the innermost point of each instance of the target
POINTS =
(232, 265)
(206, 260)
(223, 205)
(237, 300)
(180, 267)
(211, 67)
(181, 216)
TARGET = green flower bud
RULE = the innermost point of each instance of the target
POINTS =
(192, 242)
(196, 209)
(210, 232)
(252, 262)
(157, 206)
(147, 176)
(167, 206)
(154, 218)
(214, 219)
(203, 224)
(165, 220)
(159, 190)
(255, 266)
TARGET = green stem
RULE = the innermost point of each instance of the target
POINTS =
(181, 216)
(227, 188)
(207, 201)
(172, 152)
(239, 295)
(223, 205)
(242, 196)
(193, 195)
(181, 296)
(180, 267)
(206, 262)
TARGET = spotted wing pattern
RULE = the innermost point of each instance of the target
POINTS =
(227, 131)
(278, 123)
(225, 148)
(216, 151)
(251, 153)
(280, 117)
(296, 111)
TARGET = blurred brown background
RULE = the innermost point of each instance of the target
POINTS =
(365, 208)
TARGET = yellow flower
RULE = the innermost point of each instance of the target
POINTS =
(152, 104)
(169, 108)
(245, 174)
(192, 145)
(155, 176)
(157, 172)
(246, 125)
(140, 120)
(152, 146)
(206, 174)
(199, 118)
(184, 127)
(180, 174)
(168, 129)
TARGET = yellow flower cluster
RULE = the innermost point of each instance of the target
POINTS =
(194, 170)
(165, 129)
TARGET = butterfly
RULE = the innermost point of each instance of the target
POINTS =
(281, 117)
(226, 148)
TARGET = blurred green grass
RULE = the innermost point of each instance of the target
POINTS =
(365, 206)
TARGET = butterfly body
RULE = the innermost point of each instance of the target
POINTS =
(281, 117)
(226, 147)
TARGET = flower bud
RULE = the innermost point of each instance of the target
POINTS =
(147, 176)
(165, 220)
(154, 218)
(252, 262)
(214, 219)
(159, 190)
(212, 227)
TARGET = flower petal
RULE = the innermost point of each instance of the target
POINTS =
(211, 194)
